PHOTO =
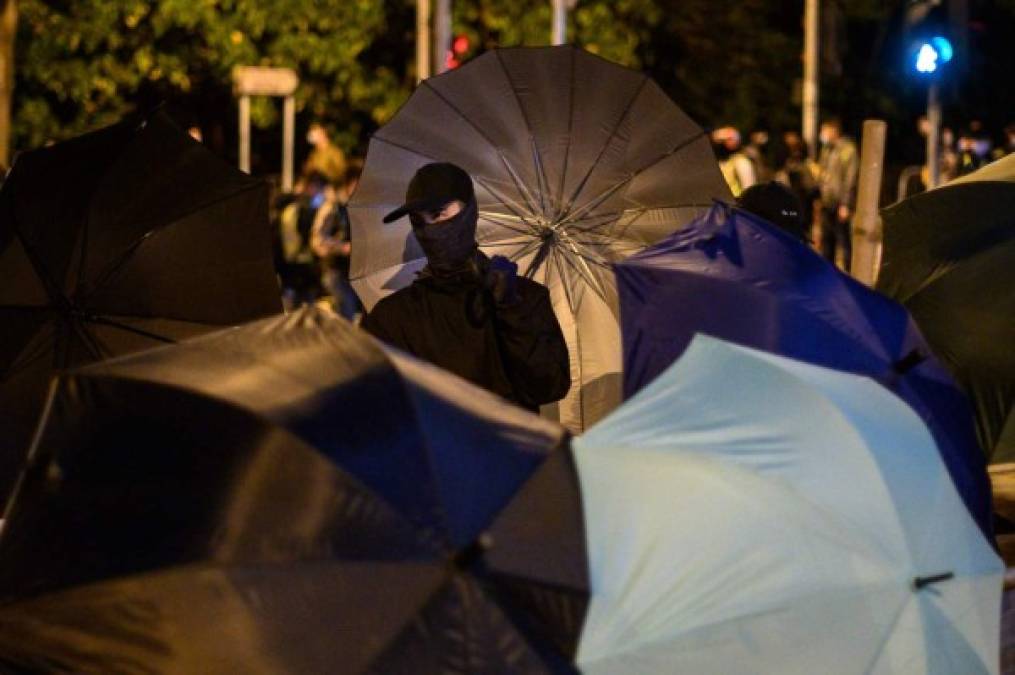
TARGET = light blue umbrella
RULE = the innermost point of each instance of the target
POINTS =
(750, 513)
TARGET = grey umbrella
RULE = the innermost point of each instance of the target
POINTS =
(578, 162)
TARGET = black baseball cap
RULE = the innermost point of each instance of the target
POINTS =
(433, 186)
(777, 204)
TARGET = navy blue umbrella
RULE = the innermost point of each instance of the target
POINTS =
(734, 276)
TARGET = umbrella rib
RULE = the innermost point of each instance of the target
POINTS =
(524, 251)
(107, 274)
(558, 210)
(614, 216)
(506, 242)
(105, 321)
(501, 223)
(103, 277)
(56, 296)
(521, 108)
(507, 165)
(510, 206)
(26, 358)
(583, 271)
(596, 201)
(594, 258)
(625, 227)
(602, 150)
(22, 308)
(572, 302)
(541, 179)
(93, 344)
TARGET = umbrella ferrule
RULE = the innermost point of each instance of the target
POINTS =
(919, 583)
(911, 360)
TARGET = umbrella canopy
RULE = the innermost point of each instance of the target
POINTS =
(750, 513)
(949, 257)
(576, 161)
(734, 276)
(115, 241)
(288, 496)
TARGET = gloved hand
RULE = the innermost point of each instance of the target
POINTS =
(501, 279)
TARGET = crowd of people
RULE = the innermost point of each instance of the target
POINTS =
(312, 226)
(826, 187)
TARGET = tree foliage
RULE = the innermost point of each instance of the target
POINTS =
(84, 63)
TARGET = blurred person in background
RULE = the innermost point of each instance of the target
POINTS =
(330, 242)
(777, 204)
(949, 162)
(799, 174)
(326, 158)
(1007, 145)
(297, 264)
(757, 151)
(736, 167)
(838, 166)
(973, 151)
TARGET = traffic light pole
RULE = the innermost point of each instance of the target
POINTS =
(441, 35)
(559, 32)
(422, 40)
(933, 135)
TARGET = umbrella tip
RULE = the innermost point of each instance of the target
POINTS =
(914, 358)
(922, 582)
(470, 555)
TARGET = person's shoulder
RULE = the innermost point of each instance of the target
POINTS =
(530, 288)
(392, 303)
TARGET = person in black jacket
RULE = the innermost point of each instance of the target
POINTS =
(465, 312)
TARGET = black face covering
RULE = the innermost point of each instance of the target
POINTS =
(450, 244)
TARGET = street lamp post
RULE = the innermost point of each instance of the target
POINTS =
(422, 40)
(933, 136)
(441, 35)
(810, 83)
(928, 52)
(558, 32)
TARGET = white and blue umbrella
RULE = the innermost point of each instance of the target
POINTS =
(749, 513)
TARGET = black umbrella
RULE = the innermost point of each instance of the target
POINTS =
(115, 241)
(289, 496)
(950, 259)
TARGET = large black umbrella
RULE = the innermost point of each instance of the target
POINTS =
(289, 496)
(115, 241)
(950, 258)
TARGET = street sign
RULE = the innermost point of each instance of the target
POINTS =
(262, 81)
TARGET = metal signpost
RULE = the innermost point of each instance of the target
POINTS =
(560, 8)
(261, 81)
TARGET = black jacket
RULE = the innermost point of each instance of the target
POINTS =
(515, 350)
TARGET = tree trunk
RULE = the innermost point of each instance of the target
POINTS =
(8, 28)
